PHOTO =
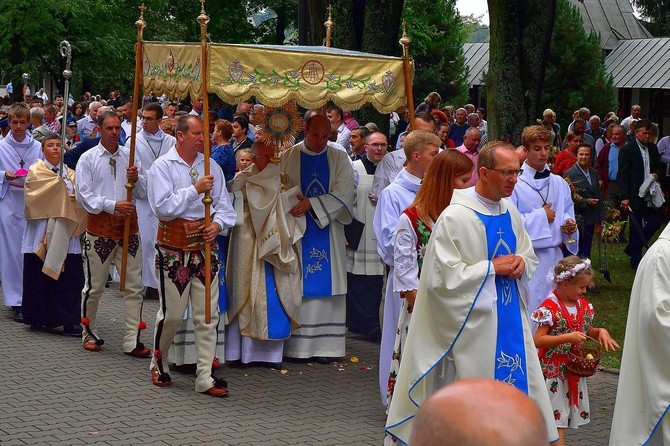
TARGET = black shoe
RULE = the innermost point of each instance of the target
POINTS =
(72, 330)
(274, 365)
(17, 315)
(151, 294)
(323, 360)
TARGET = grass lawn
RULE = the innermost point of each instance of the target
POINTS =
(611, 304)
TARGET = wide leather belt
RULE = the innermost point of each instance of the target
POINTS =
(181, 234)
(109, 226)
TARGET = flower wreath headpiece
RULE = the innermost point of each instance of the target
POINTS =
(568, 274)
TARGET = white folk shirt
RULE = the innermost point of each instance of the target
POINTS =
(98, 189)
(172, 193)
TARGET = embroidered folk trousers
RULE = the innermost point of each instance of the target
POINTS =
(181, 277)
(99, 253)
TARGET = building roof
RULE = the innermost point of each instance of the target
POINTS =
(640, 63)
(477, 59)
(613, 20)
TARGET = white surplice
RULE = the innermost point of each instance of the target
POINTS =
(387, 170)
(12, 222)
(322, 319)
(643, 395)
(452, 334)
(393, 200)
(529, 195)
(148, 147)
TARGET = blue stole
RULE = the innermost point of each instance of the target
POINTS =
(222, 241)
(314, 181)
(279, 324)
(510, 359)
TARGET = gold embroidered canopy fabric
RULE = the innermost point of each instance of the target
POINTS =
(277, 74)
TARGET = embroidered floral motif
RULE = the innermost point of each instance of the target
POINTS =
(557, 415)
(197, 259)
(133, 244)
(180, 274)
(103, 247)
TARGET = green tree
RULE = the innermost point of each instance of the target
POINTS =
(520, 40)
(576, 75)
(658, 14)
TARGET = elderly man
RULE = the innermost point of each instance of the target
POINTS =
(470, 318)
(469, 147)
(448, 418)
(420, 148)
(326, 181)
(357, 141)
(545, 204)
(336, 118)
(594, 130)
(18, 151)
(608, 165)
(150, 144)
(263, 280)
(459, 127)
(102, 174)
(196, 108)
(88, 125)
(175, 193)
(364, 267)
(635, 111)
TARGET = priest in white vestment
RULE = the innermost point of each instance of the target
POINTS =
(18, 151)
(365, 268)
(545, 203)
(419, 149)
(150, 143)
(643, 396)
(263, 278)
(326, 181)
(470, 318)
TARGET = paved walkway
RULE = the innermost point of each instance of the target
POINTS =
(53, 392)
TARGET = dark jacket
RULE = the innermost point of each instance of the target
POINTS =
(631, 172)
(588, 214)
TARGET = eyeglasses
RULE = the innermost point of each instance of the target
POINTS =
(379, 145)
(507, 173)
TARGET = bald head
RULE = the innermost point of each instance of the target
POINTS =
(317, 128)
(452, 416)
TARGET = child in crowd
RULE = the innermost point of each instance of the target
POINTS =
(244, 158)
(565, 319)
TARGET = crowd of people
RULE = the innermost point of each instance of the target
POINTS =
(466, 257)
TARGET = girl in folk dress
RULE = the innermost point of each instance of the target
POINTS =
(449, 170)
(565, 318)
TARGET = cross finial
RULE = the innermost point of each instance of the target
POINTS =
(202, 9)
(142, 8)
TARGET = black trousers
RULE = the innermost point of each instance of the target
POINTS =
(648, 221)
(48, 302)
(364, 295)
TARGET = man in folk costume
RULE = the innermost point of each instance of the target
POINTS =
(264, 286)
(420, 148)
(102, 174)
(176, 185)
(150, 143)
(643, 395)
(52, 266)
(365, 270)
(18, 151)
(545, 203)
(326, 180)
(470, 318)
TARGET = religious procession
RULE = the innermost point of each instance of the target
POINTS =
(270, 225)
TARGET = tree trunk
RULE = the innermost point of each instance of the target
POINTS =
(518, 50)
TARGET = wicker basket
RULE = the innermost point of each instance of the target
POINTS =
(578, 361)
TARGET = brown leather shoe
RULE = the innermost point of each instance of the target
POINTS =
(91, 346)
(216, 391)
(160, 380)
(139, 352)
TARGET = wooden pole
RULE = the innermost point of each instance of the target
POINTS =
(133, 132)
(203, 19)
(405, 41)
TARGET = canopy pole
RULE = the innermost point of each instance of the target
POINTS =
(139, 24)
(203, 19)
(405, 40)
(65, 51)
(329, 24)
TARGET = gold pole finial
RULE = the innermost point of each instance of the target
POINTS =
(140, 22)
(329, 24)
(203, 18)
(405, 40)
